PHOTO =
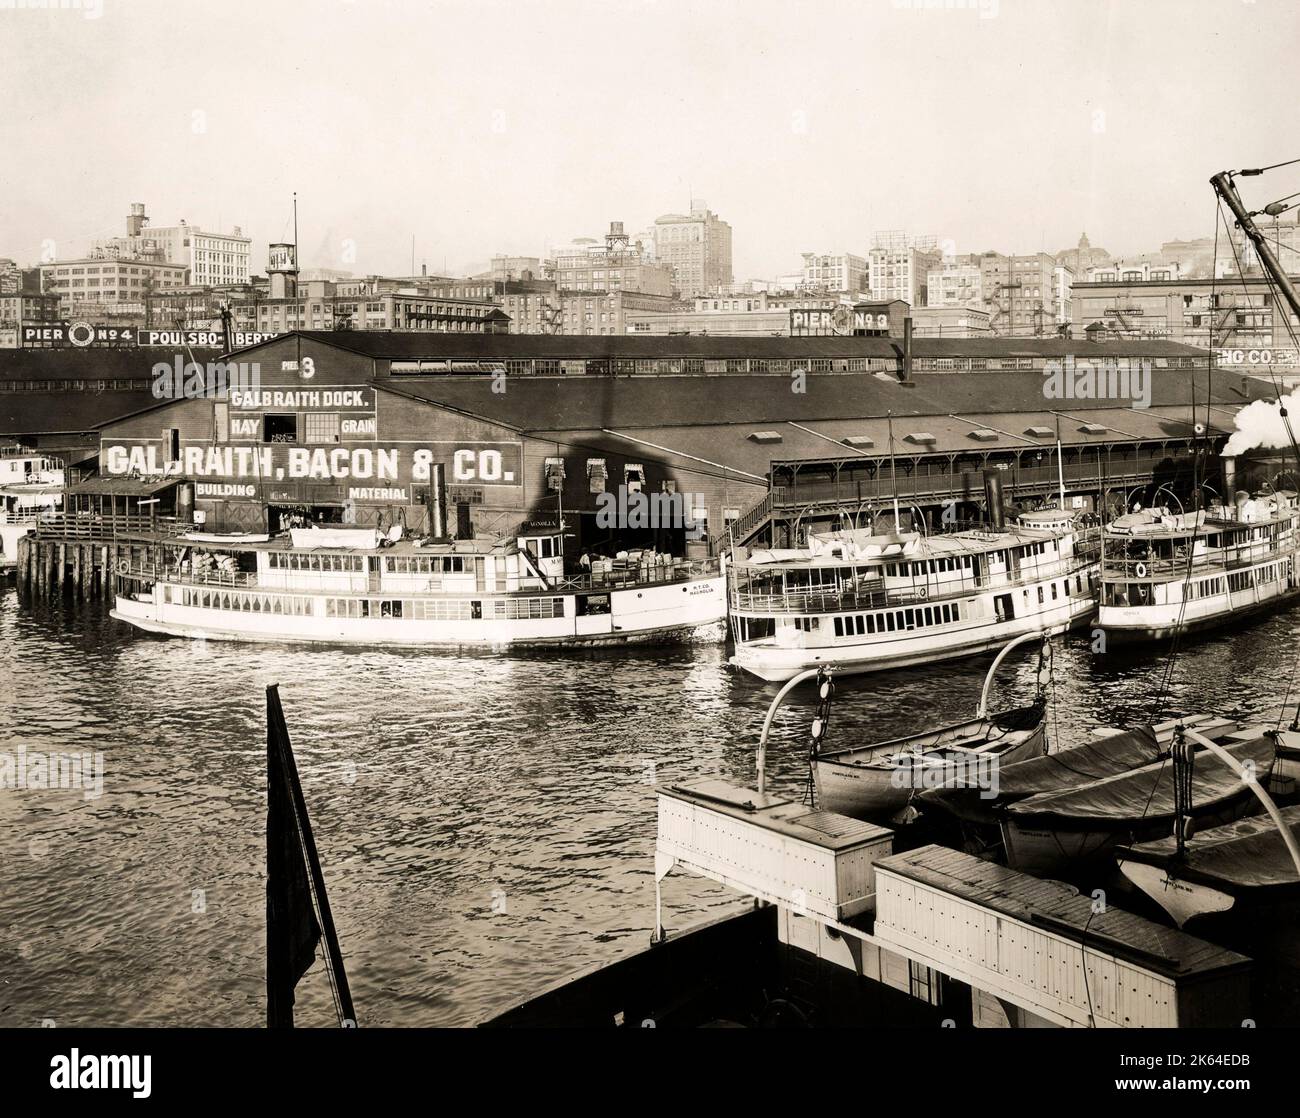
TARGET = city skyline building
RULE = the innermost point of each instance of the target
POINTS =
(212, 259)
(697, 247)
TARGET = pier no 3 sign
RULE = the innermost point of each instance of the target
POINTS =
(466, 464)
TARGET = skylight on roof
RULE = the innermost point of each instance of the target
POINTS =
(984, 434)
(859, 440)
(765, 436)
(920, 437)
(1039, 432)
(1093, 429)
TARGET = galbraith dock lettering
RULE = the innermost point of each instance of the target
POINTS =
(300, 398)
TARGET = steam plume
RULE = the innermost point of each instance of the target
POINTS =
(1261, 424)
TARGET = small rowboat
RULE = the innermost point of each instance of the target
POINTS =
(878, 782)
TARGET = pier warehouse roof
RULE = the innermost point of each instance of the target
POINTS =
(557, 423)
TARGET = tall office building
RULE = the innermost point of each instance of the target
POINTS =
(213, 259)
(697, 247)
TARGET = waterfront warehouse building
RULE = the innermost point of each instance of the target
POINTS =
(761, 437)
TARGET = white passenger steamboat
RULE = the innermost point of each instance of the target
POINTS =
(1164, 573)
(353, 586)
(31, 487)
(860, 601)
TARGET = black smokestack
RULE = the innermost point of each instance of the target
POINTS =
(993, 498)
(907, 349)
(438, 502)
(464, 526)
(1229, 479)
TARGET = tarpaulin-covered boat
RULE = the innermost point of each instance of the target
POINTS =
(1051, 833)
(1069, 768)
(1244, 863)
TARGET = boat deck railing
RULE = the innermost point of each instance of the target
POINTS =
(1222, 560)
(840, 599)
(360, 583)
(25, 516)
(679, 570)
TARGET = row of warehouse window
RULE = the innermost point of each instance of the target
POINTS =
(133, 384)
(670, 366)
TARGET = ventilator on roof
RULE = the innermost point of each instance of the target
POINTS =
(920, 437)
(1039, 432)
(984, 435)
(859, 440)
(765, 436)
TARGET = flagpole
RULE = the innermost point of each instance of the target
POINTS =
(275, 716)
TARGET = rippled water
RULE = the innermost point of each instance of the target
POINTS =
(486, 823)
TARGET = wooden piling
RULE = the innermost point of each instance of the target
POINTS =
(76, 571)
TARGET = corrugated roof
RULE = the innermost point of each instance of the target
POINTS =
(1030, 899)
(44, 413)
(73, 363)
(581, 403)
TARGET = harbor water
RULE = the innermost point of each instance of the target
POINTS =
(486, 823)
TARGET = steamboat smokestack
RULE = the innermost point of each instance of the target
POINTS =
(438, 502)
(993, 498)
(1229, 479)
(907, 349)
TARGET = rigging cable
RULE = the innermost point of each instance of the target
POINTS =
(1260, 170)
(1166, 681)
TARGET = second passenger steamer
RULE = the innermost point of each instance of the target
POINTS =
(861, 601)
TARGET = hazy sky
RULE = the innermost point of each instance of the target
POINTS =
(489, 126)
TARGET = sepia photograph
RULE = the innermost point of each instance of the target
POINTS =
(526, 516)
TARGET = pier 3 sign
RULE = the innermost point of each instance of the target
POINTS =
(478, 464)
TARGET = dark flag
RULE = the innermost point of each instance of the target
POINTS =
(292, 877)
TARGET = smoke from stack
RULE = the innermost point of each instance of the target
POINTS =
(1261, 425)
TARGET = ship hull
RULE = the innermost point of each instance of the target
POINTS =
(1143, 624)
(1064, 850)
(692, 611)
(776, 665)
